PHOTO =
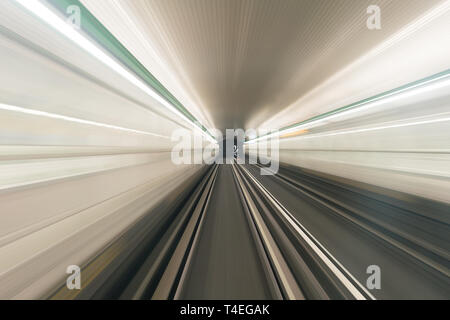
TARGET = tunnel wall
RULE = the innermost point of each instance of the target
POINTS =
(83, 155)
(400, 144)
(400, 141)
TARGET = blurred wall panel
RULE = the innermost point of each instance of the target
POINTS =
(400, 142)
(83, 154)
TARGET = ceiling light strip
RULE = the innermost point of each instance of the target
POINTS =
(139, 75)
(407, 88)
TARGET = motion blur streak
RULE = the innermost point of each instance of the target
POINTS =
(60, 25)
(88, 115)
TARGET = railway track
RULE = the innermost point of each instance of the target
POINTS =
(227, 234)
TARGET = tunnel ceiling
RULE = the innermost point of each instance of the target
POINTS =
(234, 63)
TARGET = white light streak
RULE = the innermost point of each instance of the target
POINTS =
(52, 19)
(76, 120)
(414, 90)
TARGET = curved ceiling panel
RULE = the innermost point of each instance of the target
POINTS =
(237, 63)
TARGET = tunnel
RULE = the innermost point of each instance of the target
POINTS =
(224, 150)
